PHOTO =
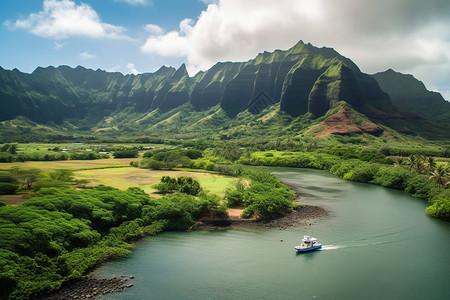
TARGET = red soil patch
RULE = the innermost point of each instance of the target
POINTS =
(342, 123)
(13, 199)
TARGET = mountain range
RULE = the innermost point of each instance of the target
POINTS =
(278, 88)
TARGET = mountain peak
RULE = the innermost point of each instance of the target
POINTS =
(181, 72)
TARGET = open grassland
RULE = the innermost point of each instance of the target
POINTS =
(118, 173)
(125, 177)
(73, 165)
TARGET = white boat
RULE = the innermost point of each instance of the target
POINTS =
(309, 243)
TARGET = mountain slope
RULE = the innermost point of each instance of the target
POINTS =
(301, 81)
(411, 95)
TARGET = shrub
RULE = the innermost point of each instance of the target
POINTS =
(131, 153)
(440, 209)
(361, 174)
(148, 163)
(394, 178)
(7, 177)
(193, 153)
(185, 185)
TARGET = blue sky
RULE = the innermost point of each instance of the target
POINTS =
(136, 36)
(24, 50)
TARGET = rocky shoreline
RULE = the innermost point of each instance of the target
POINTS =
(302, 215)
(89, 288)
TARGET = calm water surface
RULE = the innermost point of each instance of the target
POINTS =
(379, 244)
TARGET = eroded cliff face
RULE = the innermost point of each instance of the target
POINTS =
(302, 79)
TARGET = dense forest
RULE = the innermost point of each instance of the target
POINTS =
(61, 232)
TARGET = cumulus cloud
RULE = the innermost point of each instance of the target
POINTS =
(86, 55)
(407, 35)
(60, 19)
(174, 43)
(58, 45)
(153, 29)
(132, 69)
(134, 2)
(209, 1)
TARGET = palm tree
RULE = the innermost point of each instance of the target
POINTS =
(440, 176)
(420, 166)
(412, 161)
(430, 163)
(416, 163)
(399, 161)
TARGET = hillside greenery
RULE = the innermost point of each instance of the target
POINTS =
(281, 93)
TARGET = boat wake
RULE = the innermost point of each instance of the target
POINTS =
(330, 247)
(351, 245)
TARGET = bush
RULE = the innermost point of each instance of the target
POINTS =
(126, 153)
(7, 188)
(363, 174)
(193, 153)
(7, 177)
(440, 209)
(185, 185)
(394, 178)
(148, 163)
(235, 194)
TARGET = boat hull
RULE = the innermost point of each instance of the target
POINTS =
(300, 250)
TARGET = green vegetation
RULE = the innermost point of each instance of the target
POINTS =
(126, 154)
(62, 232)
(410, 94)
(185, 185)
(265, 196)
(298, 86)
(420, 176)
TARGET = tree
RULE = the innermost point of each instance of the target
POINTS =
(399, 161)
(416, 164)
(440, 176)
(13, 149)
(62, 175)
(230, 151)
(129, 153)
(412, 161)
(430, 164)
(27, 177)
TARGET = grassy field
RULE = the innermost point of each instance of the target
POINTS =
(119, 174)
(126, 177)
(73, 165)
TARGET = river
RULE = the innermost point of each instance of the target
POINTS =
(378, 244)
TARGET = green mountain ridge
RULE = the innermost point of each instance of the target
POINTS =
(411, 95)
(301, 81)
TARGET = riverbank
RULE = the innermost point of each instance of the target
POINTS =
(89, 288)
(303, 215)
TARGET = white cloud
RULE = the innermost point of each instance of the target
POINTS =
(174, 43)
(87, 56)
(134, 2)
(132, 69)
(153, 29)
(59, 45)
(61, 19)
(411, 36)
